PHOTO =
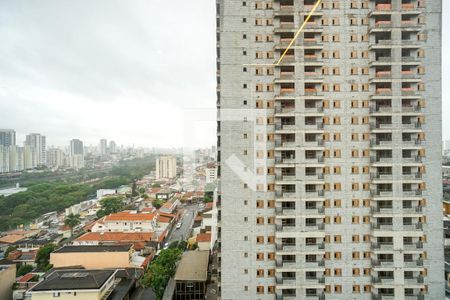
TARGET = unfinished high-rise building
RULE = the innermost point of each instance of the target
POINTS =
(330, 160)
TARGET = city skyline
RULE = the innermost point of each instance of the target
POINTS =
(56, 94)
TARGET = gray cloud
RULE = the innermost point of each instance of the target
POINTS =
(125, 70)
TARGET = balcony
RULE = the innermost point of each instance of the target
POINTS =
(382, 263)
(316, 109)
(412, 193)
(383, 91)
(413, 246)
(413, 227)
(286, 228)
(413, 264)
(381, 226)
(383, 246)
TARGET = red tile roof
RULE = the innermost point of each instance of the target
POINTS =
(25, 278)
(203, 237)
(116, 236)
(163, 219)
(128, 216)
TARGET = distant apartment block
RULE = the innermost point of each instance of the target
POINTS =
(7, 137)
(330, 161)
(38, 142)
(166, 167)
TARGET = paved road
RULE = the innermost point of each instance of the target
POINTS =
(188, 220)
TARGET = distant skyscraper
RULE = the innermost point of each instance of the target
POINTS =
(112, 147)
(76, 147)
(166, 167)
(38, 141)
(30, 157)
(7, 137)
(4, 159)
(16, 159)
(103, 147)
(55, 158)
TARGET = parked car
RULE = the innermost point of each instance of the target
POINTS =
(178, 226)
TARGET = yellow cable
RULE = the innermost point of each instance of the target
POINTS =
(299, 31)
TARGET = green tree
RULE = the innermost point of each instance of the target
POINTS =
(43, 257)
(134, 192)
(9, 249)
(156, 185)
(72, 221)
(158, 203)
(142, 190)
(160, 270)
(24, 269)
(110, 205)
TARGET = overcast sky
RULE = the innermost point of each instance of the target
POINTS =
(137, 71)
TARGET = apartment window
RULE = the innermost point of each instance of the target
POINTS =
(244, 52)
(367, 289)
(260, 273)
(337, 220)
(271, 220)
(270, 204)
(338, 272)
(260, 289)
(355, 170)
(271, 256)
(355, 238)
(271, 289)
(337, 203)
(355, 153)
(337, 104)
(337, 170)
(259, 203)
(245, 271)
(367, 271)
(244, 36)
(354, 137)
(356, 288)
(260, 256)
(355, 271)
(259, 220)
(337, 87)
(355, 186)
(337, 153)
(337, 136)
(246, 288)
(355, 219)
(245, 86)
(260, 239)
(245, 102)
(355, 203)
(355, 255)
(244, 20)
(337, 238)
(354, 71)
(271, 239)
(245, 219)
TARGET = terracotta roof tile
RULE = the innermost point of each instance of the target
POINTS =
(116, 236)
(128, 216)
(203, 237)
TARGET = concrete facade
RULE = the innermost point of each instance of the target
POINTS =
(330, 161)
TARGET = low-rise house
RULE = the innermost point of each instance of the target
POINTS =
(75, 284)
(93, 257)
(126, 221)
(138, 239)
(204, 241)
(191, 276)
(7, 279)
(170, 206)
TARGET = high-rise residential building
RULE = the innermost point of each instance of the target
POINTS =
(330, 181)
(76, 147)
(4, 159)
(38, 141)
(103, 147)
(55, 158)
(16, 159)
(30, 157)
(112, 147)
(166, 167)
(7, 137)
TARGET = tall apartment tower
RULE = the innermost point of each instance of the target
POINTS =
(7, 137)
(38, 141)
(166, 167)
(103, 147)
(76, 147)
(330, 181)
